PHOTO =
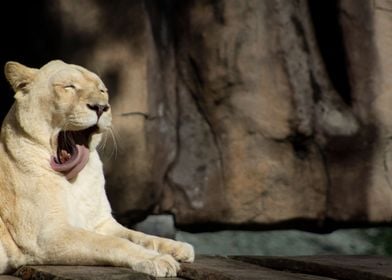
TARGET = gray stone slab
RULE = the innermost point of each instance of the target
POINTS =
(234, 268)
(8, 277)
(79, 273)
(221, 268)
(341, 267)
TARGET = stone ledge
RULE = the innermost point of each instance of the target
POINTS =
(232, 268)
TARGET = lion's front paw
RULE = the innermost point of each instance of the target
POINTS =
(159, 266)
(183, 252)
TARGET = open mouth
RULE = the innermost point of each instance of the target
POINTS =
(72, 151)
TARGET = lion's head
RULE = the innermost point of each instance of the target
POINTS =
(65, 106)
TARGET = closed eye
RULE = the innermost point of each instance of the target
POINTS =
(69, 87)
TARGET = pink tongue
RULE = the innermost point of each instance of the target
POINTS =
(74, 165)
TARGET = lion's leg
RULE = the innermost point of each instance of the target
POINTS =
(181, 251)
(4, 267)
(74, 246)
(9, 248)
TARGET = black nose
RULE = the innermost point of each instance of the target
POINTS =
(98, 108)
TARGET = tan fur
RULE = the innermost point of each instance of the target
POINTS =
(45, 218)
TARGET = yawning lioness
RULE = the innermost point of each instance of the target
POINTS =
(53, 206)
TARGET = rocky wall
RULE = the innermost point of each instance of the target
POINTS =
(241, 113)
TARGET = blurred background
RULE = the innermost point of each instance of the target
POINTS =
(241, 126)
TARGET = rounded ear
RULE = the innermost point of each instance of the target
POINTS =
(18, 75)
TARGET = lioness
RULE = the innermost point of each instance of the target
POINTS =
(53, 206)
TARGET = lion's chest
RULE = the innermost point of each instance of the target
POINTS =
(86, 199)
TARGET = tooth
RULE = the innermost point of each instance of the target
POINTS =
(64, 156)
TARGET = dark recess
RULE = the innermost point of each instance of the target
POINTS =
(29, 36)
(325, 17)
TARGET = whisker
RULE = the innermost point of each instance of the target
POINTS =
(116, 136)
(102, 144)
(115, 145)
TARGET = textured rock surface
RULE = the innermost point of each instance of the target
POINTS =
(239, 112)
(235, 268)
(244, 109)
(360, 186)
